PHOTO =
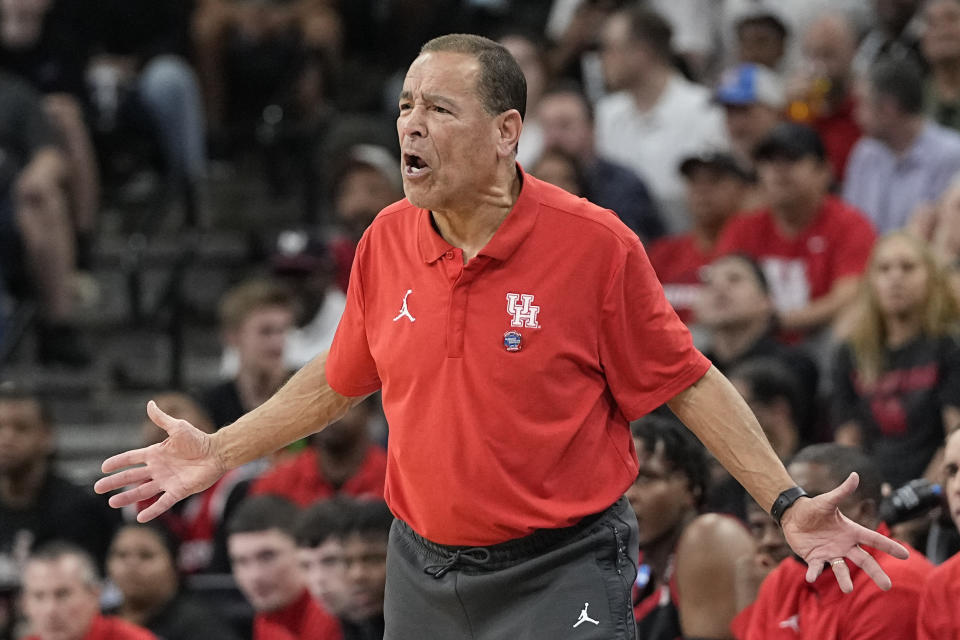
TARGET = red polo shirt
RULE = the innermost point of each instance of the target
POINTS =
(301, 479)
(508, 382)
(939, 617)
(110, 628)
(790, 608)
(303, 618)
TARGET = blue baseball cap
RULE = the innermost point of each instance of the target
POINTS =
(751, 84)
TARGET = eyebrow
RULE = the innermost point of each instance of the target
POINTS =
(433, 98)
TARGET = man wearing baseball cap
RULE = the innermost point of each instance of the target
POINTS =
(753, 100)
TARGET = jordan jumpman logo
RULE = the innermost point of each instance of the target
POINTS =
(404, 311)
(584, 617)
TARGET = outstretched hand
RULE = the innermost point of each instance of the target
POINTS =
(821, 535)
(186, 462)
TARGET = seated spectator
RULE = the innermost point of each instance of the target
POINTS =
(788, 606)
(939, 617)
(717, 188)
(561, 169)
(340, 459)
(906, 160)
(255, 317)
(37, 252)
(61, 598)
(762, 37)
(939, 225)
(771, 549)
(653, 118)
(685, 579)
(567, 120)
(530, 55)
(737, 310)
(941, 49)
(364, 540)
(263, 554)
(812, 246)
(897, 378)
(820, 93)
(363, 184)
(319, 533)
(35, 501)
(142, 564)
(753, 100)
(894, 34)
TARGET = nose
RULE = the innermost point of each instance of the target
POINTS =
(411, 123)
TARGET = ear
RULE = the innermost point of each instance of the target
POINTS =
(509, 127)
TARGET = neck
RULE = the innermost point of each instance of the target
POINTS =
(257, 386)
(650, 87)
(901, 138)
(657, 553)
(470, 228)
(706, 235)
(20, 491)
(794, 218)
(946, 79)
(902, 329)
(338, 467)
(730, 342)
(140, 613)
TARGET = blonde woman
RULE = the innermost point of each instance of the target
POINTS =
(897, 378)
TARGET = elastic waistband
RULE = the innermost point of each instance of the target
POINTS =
(512, 551)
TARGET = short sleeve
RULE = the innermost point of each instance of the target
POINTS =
(854, 246)
(950, 373)
(351, 369)
(646, 352)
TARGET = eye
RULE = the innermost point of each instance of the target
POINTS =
(440, 109)
(404, 106)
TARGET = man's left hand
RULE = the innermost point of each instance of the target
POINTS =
(821, 535)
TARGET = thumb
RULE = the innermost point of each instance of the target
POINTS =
(845, 490)
(166, 422)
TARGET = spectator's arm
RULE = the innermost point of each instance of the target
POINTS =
(824, 309)
(707, 557)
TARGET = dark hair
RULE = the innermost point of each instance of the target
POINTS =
(764, 20)
(568, 87)
(754, 266)
(56, 549)
(321, 521)
(840, 462)
(17, 391)
(770, 379)
(680, 448)
(167, 537)
(368, 518)
(649, 27)
(901, 81)
(262, 513)
(500, 84)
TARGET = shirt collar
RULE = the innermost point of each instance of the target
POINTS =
(508, 237)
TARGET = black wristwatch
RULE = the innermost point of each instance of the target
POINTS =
(785, 500)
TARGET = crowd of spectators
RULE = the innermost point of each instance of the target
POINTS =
(793, 168)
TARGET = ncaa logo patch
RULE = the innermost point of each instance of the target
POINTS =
(512, 340)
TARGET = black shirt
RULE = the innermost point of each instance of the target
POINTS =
(222, 403)
(185, 619)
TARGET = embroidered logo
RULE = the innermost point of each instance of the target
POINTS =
(584, 616)
(793, 622)
(404, 311)
(524, 312)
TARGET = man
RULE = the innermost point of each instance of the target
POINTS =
(762, 37)
(811, 245)
(753, 100)
(263, 555)
(894, 35)
(364, 540)
(495, 481)
(938, 617)
(821, 92)
(654, 117)
(718, 187)
(255, 317)
(681, 589)
(566, 117)
(941, 48)
(790, 607)
(319, 534)
(341, 459)
(61, 598)
(906, 160)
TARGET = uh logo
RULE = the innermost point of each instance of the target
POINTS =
(523, 313)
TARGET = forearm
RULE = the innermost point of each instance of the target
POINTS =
(716, 413)
(304, 405)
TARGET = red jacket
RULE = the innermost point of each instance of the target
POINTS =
(939, 616)
(110, 628)
(301, 619)
(301, 480)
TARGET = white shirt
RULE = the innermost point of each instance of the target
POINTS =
(684, 122)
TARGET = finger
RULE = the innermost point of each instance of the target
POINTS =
(871, 567)
(123, 479)
(842, 572)
(882, 543)
(157, 508)
(845, 490)
(166, 422)
(814, 569)
(144, 491)
(125, 459)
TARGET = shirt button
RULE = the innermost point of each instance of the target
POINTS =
(449, 255)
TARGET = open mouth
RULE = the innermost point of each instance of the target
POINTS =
(414, 166)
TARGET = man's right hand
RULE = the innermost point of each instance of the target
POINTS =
(186, 462)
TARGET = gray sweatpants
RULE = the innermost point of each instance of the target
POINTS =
(566, 583)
